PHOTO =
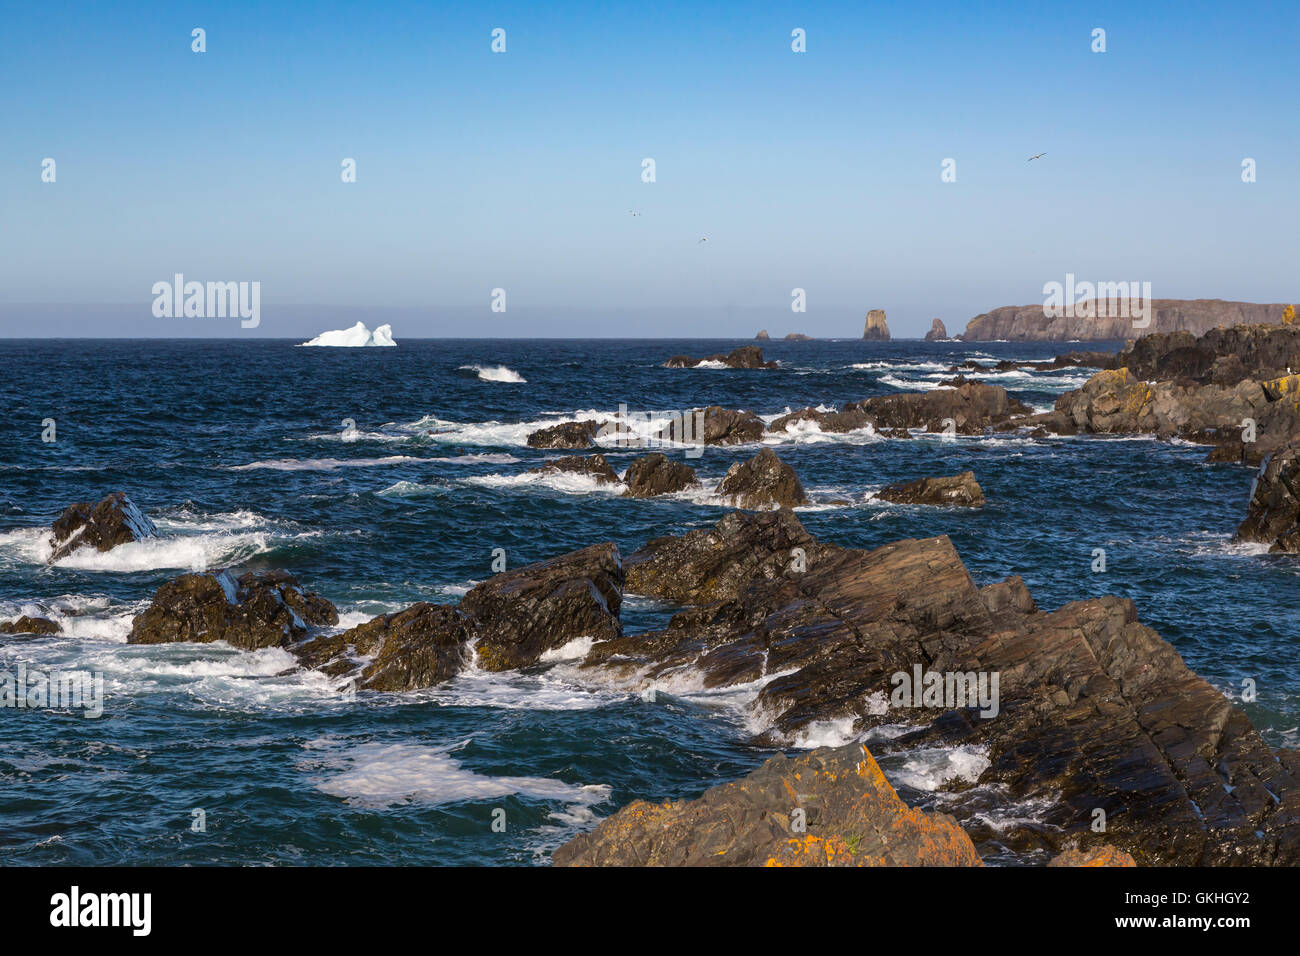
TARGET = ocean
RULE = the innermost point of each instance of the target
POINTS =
(385, 476)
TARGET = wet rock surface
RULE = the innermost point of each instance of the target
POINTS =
(104, 525)
(657, 474)
(715, 425)
(745, 357)
(252, 611)
(567, 435)
(592, 466)
(29, 625)
(764, 481)
(970, 408)
(961, 490)
(831, 807)
(1273, 514)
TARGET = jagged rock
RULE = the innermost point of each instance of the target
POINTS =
(765, 481)
(961, 490)
(876, 328)
(1103, 855)
(1273, 515)
(657, 474)
(851, 816)
(566, 435)
(715, 426)
(114, 520)
(973, 407)
(711, 564)
(1093, 710)
(762, 336)
(938, 331)
(1029, 323)
(256, 610)
(747, 356)
(594, 466)
(30, 625)
(517, 616)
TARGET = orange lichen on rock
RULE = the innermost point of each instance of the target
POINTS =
(1103, 855)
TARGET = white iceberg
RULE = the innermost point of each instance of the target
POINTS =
(356, 337)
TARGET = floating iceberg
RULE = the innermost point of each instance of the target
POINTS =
(355, 337)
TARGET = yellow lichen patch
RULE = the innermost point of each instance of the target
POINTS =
(1285, 388)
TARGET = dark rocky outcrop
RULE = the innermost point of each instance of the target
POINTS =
(29, 625)
(657, 474)
(715, 426)
(1094, 710)
(718, 563)
(114, 520)
(962, 490)
(1029, 323)
(1223, 356)
(876, 328)
(566, 435)
(974, 407)
(507, 622)
(593, 466)
(765, 481)
(255, 610)
(762, 336)
(797, 337)
(1273, 515)
(746, 357)
(831, 807)
(938, 331)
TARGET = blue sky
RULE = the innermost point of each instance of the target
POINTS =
(478, 170)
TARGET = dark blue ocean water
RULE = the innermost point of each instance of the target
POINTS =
(236, 450)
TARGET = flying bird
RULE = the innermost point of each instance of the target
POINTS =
(634, 212)
(704, 239)
(1032, 158)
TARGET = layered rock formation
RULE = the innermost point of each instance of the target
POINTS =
(114, 520)
(1030, 323)
(831, 807)
(938, 331)
(960, 490)
(876, 328)
(1093, 712)
(747, 357)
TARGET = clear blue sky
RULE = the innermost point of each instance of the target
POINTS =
(478, 170)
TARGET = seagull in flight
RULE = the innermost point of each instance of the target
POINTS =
(1032, 158)
(704, 239)
(634, 212)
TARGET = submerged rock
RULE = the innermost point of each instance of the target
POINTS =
(1273, 514)
(765, 481)
(255, 610)
(746, 357)
(29, 625)
(972, 407)
(657, 474)
(594, 466)
(960, 489)
(114, 520)
(566, 435)
(831, 807)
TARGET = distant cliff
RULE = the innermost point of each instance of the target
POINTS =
(1198, 316)
(876, 329)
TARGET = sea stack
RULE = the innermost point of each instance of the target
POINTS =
(877, 329)
(938, 332)
(762, 336)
